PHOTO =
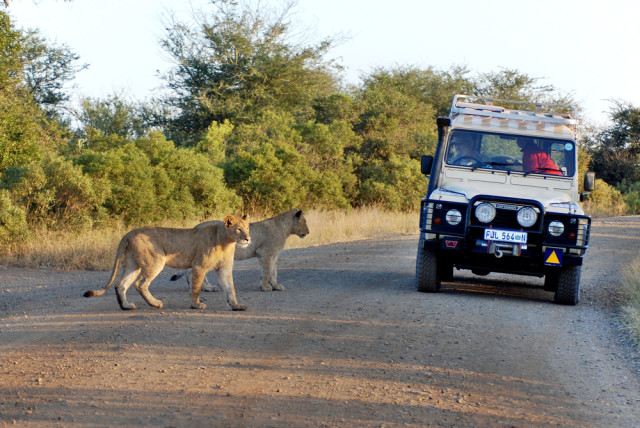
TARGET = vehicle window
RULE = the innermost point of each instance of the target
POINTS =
(529, 155)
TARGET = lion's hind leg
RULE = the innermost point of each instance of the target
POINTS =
(143, 287)
(265, 285)
(128, 277)
(197, 276)
(269, 279)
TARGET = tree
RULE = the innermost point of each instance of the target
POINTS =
(23, 129)
(396, 118)
(615, 150)
(47, 69)
(106, 123)
(439, 87)
(237, 62)
(511, 84)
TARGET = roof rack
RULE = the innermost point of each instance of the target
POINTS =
(483, 106)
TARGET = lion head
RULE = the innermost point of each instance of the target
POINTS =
(300, 227)
(239, 227)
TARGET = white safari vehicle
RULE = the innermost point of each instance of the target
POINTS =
(503, 196)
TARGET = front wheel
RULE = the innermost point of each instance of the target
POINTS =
(568, 286)
(427, 278)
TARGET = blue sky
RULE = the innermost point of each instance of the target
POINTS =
(583, 47)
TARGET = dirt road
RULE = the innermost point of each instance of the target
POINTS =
(350, 343)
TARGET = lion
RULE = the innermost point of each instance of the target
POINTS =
(144, 252)
(268, 239)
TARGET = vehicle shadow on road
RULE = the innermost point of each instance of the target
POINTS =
(505, 286)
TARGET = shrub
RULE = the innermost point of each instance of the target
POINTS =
(13, 221)
(631, 193)
(395, 185)
(55, 192)
(605, 201)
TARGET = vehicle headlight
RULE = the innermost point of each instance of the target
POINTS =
(556, 228)
(485, 212)
(527, 216)
(453, 217)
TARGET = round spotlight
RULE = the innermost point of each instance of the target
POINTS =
(556, 228)
(485, 212)
(453, 217)
(527, 216)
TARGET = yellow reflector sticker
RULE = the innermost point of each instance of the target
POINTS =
(553, 257)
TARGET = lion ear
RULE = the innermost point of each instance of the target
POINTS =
(229, 221)
(245, 217)
(299, 214)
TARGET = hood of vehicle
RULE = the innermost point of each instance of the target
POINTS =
(468, 190)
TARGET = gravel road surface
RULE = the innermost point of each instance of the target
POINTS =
(349, 343)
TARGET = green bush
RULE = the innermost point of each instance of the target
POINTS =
(273, 178)
(395, 185)
(631, 193)
(605, 200)
(13, 220)
(55, 192)
(150, 180)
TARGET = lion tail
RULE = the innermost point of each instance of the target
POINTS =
(177, 276)
(116, 265)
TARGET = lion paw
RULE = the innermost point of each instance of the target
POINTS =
(199, 306)
(278, 287)
(239, 308)
(210, 288)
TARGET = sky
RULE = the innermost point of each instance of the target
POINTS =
(582, 47)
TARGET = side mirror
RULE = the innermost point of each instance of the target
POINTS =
(589, 185)
(425, 164)
(589, 181)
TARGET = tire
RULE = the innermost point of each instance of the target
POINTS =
(568, 286)
(427, 278)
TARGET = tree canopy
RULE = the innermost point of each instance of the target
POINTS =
(254, 118)
(236, 62)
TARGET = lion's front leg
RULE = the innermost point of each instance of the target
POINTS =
(273, 280)
(206, 285)
(197, 276)
(226, 280)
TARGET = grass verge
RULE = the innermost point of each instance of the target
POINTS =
(95, 249)
(631, 310)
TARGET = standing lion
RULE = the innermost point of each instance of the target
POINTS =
(268, 239)
(144, 252)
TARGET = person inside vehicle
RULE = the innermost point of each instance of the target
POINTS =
(464, 153)
(536, 160)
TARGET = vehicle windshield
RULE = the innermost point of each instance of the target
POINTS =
(530, 155)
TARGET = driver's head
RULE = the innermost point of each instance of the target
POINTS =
(523, 142)
(463, 147)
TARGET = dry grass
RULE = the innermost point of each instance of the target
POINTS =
(364, 223)
(600, 211)
(631, 310)
(95, 249)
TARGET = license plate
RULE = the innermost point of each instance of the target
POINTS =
(505, 236)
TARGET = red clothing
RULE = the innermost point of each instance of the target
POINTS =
(535, 160)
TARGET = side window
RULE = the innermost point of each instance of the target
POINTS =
(563, 154)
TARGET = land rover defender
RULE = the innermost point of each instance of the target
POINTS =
(503, 196)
